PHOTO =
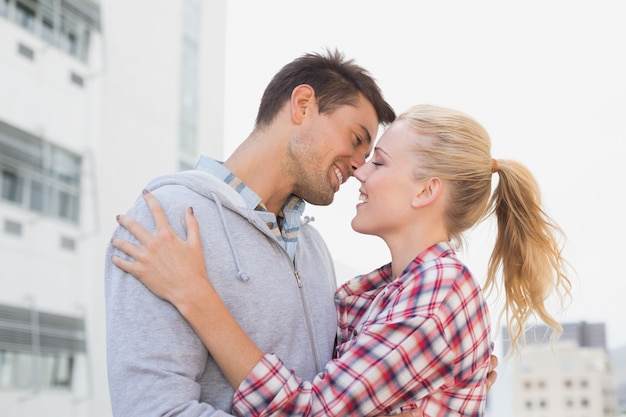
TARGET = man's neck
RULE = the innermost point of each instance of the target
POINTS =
(259, 168)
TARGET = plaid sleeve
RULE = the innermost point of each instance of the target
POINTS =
(389, 365)
(420, 344)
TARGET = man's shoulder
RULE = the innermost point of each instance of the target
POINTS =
(194, 180)
(309, 231)
(193, 183)
(310, 240)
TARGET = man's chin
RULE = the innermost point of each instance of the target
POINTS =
(321, 200)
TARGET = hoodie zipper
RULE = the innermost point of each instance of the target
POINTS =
(307, 317)
(298, 278)
(303, 300)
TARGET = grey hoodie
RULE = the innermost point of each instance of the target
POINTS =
(157, 365)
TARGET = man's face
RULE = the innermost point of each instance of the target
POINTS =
(328, 147)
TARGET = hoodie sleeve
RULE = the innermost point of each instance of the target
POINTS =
(154, 357)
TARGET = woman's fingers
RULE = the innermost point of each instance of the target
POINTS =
(160, 220)
(125, 265)
(491, 379)
(135, 228)
(125, 246)
(492, 375)
(193, 229)
(493, 362)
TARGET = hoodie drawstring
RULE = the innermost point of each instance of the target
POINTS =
(241, 275)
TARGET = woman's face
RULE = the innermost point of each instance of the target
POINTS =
(388, 184)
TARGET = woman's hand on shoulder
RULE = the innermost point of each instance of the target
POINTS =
(172, 268)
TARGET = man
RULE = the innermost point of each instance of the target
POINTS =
(316, 124)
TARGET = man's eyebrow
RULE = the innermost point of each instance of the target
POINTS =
(367, 137)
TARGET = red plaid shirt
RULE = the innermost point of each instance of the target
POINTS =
(421, 340)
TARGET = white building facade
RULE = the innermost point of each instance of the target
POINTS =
(573, 377)
(566, 381)
(96, 98)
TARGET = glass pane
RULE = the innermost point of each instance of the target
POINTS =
(24, 370)
(36, 196)
(25, 16)
(62, 371)
(11, 186)
(4, 10)
(68, 206)
(6, 368)
(45, 371)
(72, 43)
(47, 29)
(65, 166)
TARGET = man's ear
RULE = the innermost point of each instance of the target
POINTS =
(302, 100)
(429, 191)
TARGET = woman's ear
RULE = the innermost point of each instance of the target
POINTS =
(430, 190)
(302, 98)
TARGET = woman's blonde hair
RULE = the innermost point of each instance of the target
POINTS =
(527, 251)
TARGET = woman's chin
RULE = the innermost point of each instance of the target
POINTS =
(358, 226)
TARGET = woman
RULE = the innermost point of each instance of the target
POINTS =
(414, 333)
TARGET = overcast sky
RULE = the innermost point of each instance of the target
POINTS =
(546, 78)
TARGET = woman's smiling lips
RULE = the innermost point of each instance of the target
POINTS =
(362, 198)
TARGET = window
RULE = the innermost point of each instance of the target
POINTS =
(64, 24)
(68, 243)
(25, 15)
(4, 7)
(69, 35)
(47, 28)
(77, 79)
(60, 369)
(36, 196)
(11, 186)
(68, 206)
(12, 228)
(39, 176)
(37, 349)
(26, 370)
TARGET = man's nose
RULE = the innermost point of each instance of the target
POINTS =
(357, 161)
(359, 173)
